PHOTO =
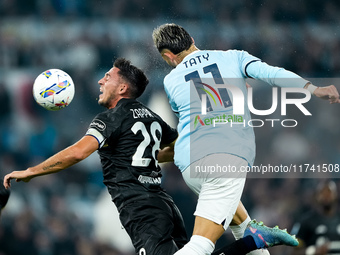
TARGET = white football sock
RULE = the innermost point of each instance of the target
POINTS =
(198, 245)
(238, 230)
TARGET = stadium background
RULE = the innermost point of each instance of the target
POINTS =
(70, 212)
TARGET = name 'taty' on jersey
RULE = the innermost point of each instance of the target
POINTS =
(129, 138)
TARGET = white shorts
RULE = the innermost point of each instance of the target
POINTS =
(219, 193)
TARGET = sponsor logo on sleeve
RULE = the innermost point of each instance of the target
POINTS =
(98, 124)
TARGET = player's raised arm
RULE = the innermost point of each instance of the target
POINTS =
(278, 76)
(60, 161)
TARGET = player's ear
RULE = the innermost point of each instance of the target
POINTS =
(169, 55)
(123, 88)
(193, 41)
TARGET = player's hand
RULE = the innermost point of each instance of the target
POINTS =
(329, 93)
(18, 176)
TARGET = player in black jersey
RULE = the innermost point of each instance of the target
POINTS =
(128, 137)
(4, 196)
(319, 230)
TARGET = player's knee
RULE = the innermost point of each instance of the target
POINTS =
(208, 229)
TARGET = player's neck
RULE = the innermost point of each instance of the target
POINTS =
(115, 102)
(185, 53)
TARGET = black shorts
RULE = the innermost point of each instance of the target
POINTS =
(154, 225)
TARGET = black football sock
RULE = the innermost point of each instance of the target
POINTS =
(239, 247)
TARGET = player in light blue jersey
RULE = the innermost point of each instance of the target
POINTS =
(205, 142)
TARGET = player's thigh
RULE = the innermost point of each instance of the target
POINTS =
(179, 232)
(150, 226)
(219, 193)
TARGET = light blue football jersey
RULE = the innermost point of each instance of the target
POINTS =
(201, 76)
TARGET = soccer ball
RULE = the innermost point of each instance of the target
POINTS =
(53, 89)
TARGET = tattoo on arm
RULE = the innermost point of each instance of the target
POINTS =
(51, 166)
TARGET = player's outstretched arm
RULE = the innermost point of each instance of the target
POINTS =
(283, 78)
(329, 93)
(62, 160)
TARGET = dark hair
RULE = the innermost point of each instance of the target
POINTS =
(134, 76)
(172, 37)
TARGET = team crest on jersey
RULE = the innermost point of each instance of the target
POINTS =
(98, 124)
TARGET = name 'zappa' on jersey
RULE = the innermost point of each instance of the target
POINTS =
(129, 138)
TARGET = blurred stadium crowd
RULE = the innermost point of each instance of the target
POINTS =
(70, 213)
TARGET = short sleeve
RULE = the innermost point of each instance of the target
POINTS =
(102, 127)
(169, 134)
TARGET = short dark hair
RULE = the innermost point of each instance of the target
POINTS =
(172, 37)
(134, 76)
